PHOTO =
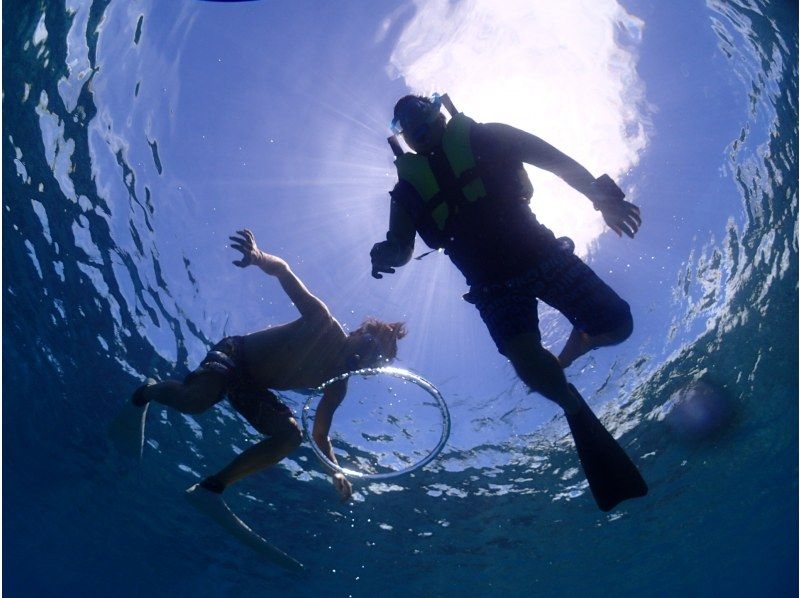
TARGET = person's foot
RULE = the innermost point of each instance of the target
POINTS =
(126, 430)
(137, 398)
(210, 503)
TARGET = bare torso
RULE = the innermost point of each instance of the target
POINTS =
(301, 354)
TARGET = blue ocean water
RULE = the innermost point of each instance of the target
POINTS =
(116, 207)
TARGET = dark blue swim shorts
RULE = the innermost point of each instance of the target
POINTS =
(562, 281)
(259, 406)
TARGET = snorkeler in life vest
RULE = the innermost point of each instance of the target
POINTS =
(464, 190)
(302, 354)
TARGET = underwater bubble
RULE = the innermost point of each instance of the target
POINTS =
(699, 411)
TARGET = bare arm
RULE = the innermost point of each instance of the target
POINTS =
(529, 148)
(331, 399)
(307, 304)
(620, 215)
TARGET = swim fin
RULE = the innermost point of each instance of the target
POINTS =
(126, 430)
(214, 506)
(611, 474)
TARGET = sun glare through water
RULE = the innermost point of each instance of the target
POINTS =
(565, 72)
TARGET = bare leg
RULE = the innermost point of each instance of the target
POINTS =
(262, 455)
(126, 430)
(207, 495)
(201, 392)
(579, 343)
(541, 371)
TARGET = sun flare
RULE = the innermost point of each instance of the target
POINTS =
(565, 72)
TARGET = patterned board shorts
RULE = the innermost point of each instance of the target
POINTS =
(259, 406)
(562, 281)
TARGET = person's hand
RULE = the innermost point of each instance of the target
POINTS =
(382, 255)
(245, 242)
(343, 486)
(621, 216)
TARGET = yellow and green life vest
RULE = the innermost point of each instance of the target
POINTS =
(448, 185)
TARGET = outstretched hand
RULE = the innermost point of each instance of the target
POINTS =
(245, 242)
(621, 216)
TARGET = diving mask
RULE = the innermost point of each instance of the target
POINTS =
(416, 119)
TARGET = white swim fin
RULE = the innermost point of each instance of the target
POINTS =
(126, 430)
(212, 505)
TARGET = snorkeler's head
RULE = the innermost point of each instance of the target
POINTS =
(374, 343)
(420, 121)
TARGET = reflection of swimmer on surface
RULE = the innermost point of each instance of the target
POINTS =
(464, 189)
(302, 354)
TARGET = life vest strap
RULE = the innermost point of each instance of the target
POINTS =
(456, 144)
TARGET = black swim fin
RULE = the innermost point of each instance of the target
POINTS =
(611, 474)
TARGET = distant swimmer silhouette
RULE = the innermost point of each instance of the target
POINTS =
(464, 190)
(302, 354)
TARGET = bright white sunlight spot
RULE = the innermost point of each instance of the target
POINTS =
(564, 71)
